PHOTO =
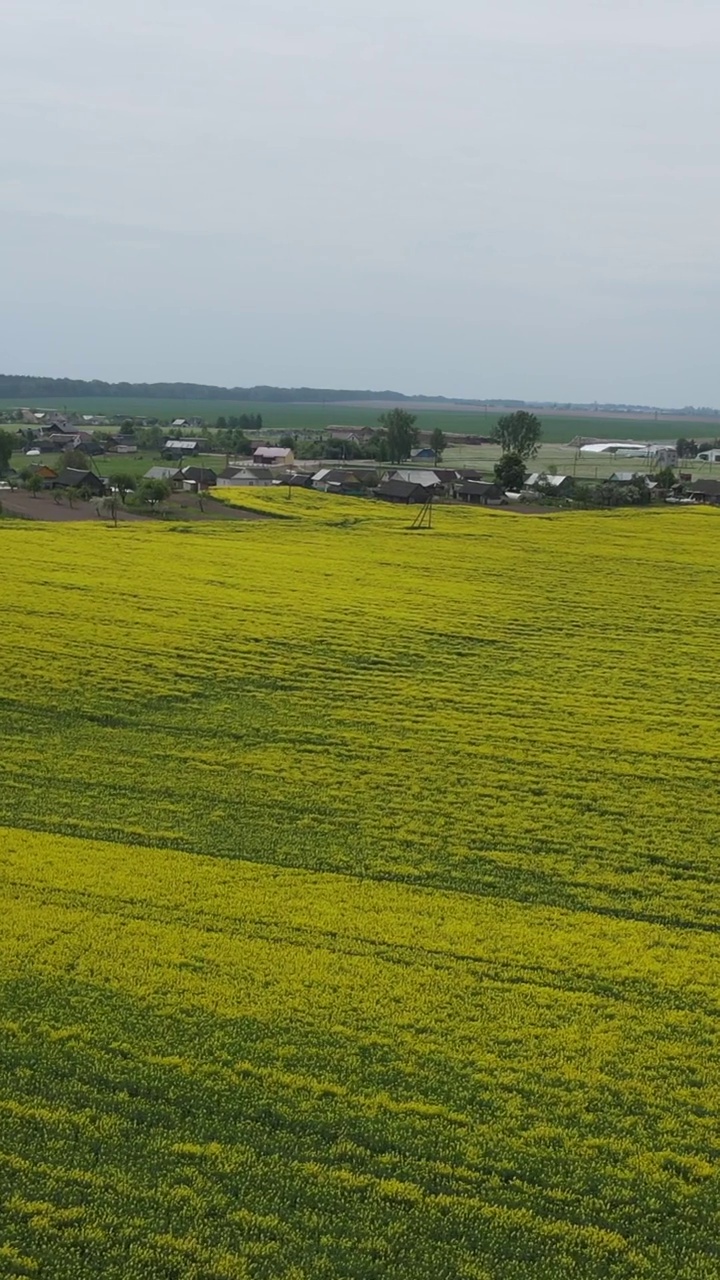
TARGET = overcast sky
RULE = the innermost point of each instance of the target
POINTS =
(466, 197)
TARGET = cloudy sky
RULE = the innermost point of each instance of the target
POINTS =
(465, 197)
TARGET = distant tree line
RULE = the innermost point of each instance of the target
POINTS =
(26, 388)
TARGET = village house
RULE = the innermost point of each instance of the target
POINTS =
(350, 435)
(627, 477)
(294, 480)
(410, 475)
(195, 479)
(171, 476)
(180, 448)
(73, 478)
(86, 443)
(344, 480)
(449, 478)
(335, 480)
(181, 424)
(267, 456)
(122, 443)
(478, 491)
(707, 491)
(61, 440)
(47, 474)
(58, 422)
(402, 491)
(245, 477)
(541, 479)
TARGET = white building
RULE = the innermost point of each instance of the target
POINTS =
(652, 453)
(428, 479)
(247, 477)
(541, 477)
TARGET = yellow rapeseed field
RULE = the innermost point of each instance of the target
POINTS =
(359, 896)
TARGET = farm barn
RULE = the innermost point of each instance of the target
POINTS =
(401, 491)
(704, 491)
(478, 491)
(271, 457)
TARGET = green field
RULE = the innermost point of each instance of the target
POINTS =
(311, 418)
(567, 461)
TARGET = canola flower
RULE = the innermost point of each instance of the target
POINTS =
(358, 889)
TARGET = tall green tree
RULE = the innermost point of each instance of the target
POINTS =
(77, 460)
(123, 481)
(686, 448)
(438, 443)
(665, 478)
(519, 433)
(110, 507)
(401, 434)
(510, 472)
(153, 491)
(7, 444)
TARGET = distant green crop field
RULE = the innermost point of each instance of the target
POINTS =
(314, 417)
